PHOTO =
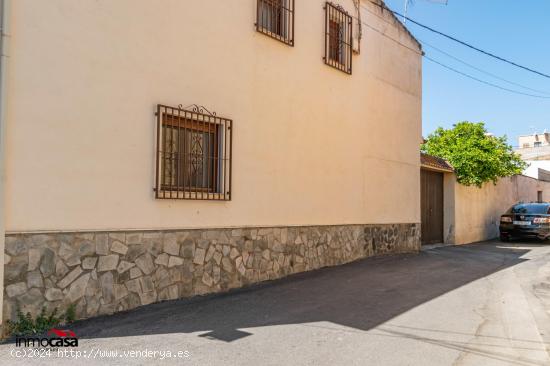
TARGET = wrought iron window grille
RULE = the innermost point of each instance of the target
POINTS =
(193, 154)
(338, 38)
(275, 18)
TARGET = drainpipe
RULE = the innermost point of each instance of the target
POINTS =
(4, 11)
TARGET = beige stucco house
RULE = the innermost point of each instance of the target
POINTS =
(152, 151)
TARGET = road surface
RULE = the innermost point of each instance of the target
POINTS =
(480, 304)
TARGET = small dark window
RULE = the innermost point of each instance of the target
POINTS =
(338, 38)
(537, 144)
(539, 196)
(275, 18)
(193, 154)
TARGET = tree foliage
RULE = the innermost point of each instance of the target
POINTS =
(476, 156)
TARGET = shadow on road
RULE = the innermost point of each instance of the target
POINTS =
(360, 295)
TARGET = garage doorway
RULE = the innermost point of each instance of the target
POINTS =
(431, 206)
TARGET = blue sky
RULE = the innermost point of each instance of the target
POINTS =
(517, 30)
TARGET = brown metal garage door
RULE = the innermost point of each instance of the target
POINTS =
(431, 206)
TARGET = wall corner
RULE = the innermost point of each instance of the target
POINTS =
(449, 219)
(4, 20)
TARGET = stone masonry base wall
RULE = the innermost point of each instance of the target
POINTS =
(106, 272)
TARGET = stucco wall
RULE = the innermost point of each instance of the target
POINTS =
(312, 145)
(477, 211)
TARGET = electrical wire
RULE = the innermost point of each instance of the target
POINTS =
(391, 38)
(377, 15)
(483, 81)
(462, 42)
(483, 71)
(459, 60)
(357, 4)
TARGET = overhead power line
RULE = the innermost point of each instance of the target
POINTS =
(483, 81)
(391, 38)
(483, 71)
(457, 59)
(462, 42)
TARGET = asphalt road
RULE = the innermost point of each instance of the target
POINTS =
(482, 304)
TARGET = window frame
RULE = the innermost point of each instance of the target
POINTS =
(336, 14)
(177, 159)
(192, 127)
(335, 50)
(285, 23)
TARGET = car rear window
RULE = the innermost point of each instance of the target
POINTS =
(530, 209)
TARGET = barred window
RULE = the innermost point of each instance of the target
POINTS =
(193, 154)
(338, 38)
(275, 18)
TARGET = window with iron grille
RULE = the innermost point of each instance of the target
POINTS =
(193, 154)
(338, 38)
(275, 18)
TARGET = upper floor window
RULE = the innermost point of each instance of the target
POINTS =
(338, 38)
(275, 18)
(193, 154)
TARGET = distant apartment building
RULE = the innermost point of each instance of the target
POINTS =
(534, 140)
(535, 146)
(535, 150)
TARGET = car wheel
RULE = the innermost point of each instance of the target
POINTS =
(504, 238)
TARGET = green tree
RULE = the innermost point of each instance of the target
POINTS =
(476, 156)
